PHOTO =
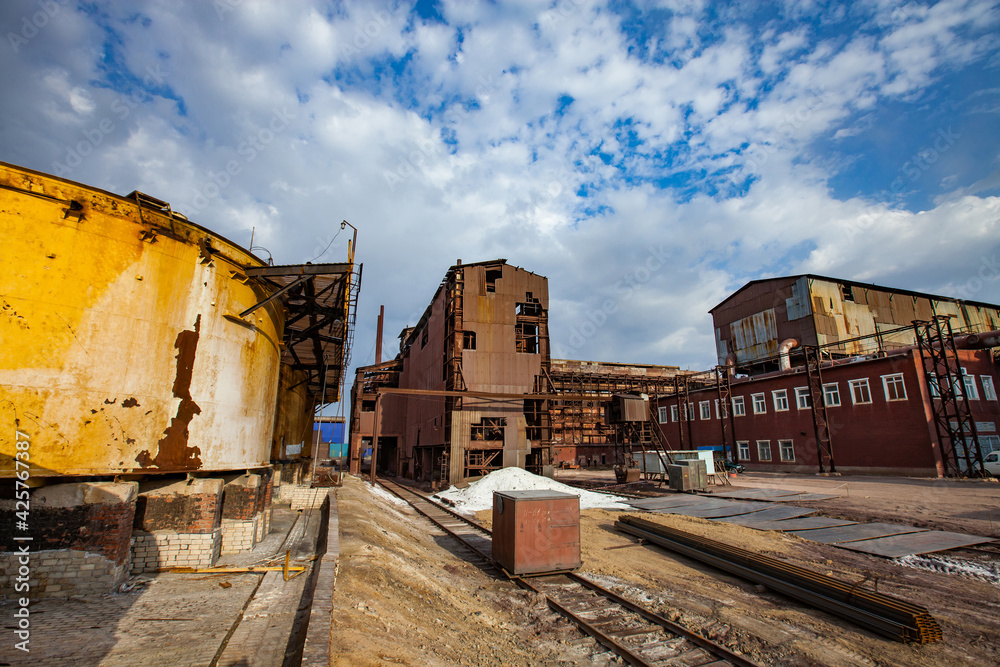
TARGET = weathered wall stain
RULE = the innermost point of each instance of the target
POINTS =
(173, 452)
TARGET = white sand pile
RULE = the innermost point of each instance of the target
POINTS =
(479, 495)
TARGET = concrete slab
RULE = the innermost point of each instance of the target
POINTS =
(925, 542)
(858, 531)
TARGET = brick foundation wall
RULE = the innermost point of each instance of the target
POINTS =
(240, 535)
(152, 551)
(80, 540)
(181, 507)
(60, 573)
(264, 525)
(303, 498)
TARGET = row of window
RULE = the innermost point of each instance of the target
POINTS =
(786, 450)
(893, 388)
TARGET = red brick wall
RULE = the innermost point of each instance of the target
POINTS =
(881, 434)
(103, 529)
(195, 513)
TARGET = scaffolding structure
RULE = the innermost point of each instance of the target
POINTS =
(956, 429)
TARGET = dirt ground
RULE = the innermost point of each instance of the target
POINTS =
(406, 595)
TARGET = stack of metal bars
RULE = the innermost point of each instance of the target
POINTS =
(884, 614)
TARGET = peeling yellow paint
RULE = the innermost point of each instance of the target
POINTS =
(89, 358)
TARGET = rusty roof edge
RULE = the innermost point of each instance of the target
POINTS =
(444, 281)
(183, 218)
(852, 283)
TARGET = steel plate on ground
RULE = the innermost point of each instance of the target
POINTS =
(668, 501)
(799, 497)
(770, 514)
(756, 494)
(804, 524)
(731, 510)
(738, 495)
(693, 507)
(926, 542)
(858, 531)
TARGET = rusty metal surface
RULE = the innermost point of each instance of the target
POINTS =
(755, 336)
(117, 354)
(804, 524)
(536, 531)
(770, 514)
(858, 531)
(925, 542)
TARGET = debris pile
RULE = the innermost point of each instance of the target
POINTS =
(478, 496)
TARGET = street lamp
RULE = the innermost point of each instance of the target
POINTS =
(354, 241)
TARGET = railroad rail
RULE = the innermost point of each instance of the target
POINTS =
(883, 614)
(639, 636)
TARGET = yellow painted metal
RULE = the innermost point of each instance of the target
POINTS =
(115, 355)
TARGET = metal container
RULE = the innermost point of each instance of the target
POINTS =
(536, 532)
(120, 353)
(698, 471)
(680, 478)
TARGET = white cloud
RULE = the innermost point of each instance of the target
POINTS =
(463, 155)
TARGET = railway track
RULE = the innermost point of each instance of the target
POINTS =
(637, 635)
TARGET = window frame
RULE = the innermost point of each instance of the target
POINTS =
(661, 414)
(703, 407)
(859, 383)
(783, 395)
(803, 393)
(742, 410)
(826, 394)
(742, 450)
(894, 377)
(969, 384)
(760, 452)
(782, 444)
(989, 389)
(673, 414)
(759, 400)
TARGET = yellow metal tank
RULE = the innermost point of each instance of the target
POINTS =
(119, 352)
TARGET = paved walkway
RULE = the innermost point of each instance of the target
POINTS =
(180, 619)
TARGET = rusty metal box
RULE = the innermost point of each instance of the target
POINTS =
(535, 532)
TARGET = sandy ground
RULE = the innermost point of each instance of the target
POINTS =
(406, 595)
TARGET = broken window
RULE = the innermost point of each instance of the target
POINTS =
(468, 340)
(423, 338)
(527, 327)
(492, 275)
(368, 406)
(489, 429)
(847, 292)
(526, 337)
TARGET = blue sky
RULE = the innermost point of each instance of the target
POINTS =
(653, 156)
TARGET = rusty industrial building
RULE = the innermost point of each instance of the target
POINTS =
(473, 388)
(161, 378)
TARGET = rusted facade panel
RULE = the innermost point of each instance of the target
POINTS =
(116, 355)
(755, 336)
(293, 419)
